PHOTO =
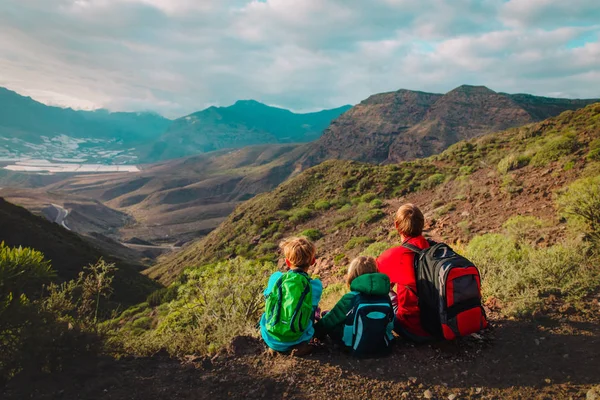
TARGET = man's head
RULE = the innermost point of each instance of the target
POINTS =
(409, 221)
(299, 252)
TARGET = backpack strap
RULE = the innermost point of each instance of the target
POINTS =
(412, 248)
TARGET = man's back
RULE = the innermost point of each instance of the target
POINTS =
(398, 264)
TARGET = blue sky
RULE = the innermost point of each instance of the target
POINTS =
(179, 56)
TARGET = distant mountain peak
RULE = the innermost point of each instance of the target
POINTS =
(472, 89)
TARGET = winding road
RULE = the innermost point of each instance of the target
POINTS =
(61, 216)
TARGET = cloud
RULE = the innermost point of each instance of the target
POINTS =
(178, 56)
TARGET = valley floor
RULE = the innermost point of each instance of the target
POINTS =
(556, 356)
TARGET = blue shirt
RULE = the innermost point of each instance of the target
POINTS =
(317, 290)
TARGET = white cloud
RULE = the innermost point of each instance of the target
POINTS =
(177, 56)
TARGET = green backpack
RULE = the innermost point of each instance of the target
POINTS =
(289, 306)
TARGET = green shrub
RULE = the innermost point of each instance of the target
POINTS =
(523, 228)
(368, 197)
(345, 208)
(300, 215)
(331, 295)
(370, 216)
(142, 323)
(513, 162)
(553, 149)
(445, 209)
(594, 153)
(322, 205)
(162, 296)
(580, 202)
(465, 170)
(521, 276)
(338, 257)
(214, 304)
(465, 227)
(569, 165)
(358, 241)
(433, 181)
(375, 249)
(312, 234)
(376, 203)
(510, 185)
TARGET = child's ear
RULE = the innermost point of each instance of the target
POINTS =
(314, 261)
(288, 263)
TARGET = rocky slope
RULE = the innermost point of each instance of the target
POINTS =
(404, 125)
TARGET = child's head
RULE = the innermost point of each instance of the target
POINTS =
(360, 266)
(409, 221)
(299, 252)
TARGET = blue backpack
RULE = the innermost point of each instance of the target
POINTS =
(368, 327)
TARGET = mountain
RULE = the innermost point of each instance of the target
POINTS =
(69, 252)
(404, 125)
(245, 123)
(335, 196)
(29, 128)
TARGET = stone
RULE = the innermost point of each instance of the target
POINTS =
(427, 394)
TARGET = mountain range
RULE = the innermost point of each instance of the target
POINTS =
(34, 130)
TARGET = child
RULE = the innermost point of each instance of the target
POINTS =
(363, 318)
(291, 300)
(398, 264)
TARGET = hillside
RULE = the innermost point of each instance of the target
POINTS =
(68, 252)
(242, 124)
(462, 190)
(172, 202)
(29, 128)
(405, 125)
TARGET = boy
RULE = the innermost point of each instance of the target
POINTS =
(398, 264)
(291, 300)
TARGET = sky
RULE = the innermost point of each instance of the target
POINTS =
(179, 56)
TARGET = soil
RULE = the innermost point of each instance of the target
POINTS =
(555, 356)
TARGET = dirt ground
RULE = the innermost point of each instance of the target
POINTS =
(555, 356)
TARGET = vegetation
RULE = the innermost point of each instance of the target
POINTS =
(206, 314)
(513, 162)
(43, 325)
(375, 249)
(358, 241)
(522, 276)
(580, 203)
(312, 234)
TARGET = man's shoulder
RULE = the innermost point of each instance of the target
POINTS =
(393, 252)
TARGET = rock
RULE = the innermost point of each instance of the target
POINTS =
(593, 394)
(452, 396)
(548, 381)
(412, 379)
(427, 394)
(405, 395)
(478, 390)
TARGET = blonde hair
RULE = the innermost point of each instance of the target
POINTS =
(409, 220)
(299, 251)
(360, 266)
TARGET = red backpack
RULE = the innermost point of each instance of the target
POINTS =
(449, 291)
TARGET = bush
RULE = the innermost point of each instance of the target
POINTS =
(376, 203)
(312, 234)
(300, 215)
(521, 276)
(322, 205)
(358, 241)
(580, 202)
(368, 197)
(523, 228)
(594, 153)
(553, 149)
(465, 170)
(214, 304)
(370, 216)
(433, 181)
(338, 257)
(162, 296)
(375, 249)
(513, 162)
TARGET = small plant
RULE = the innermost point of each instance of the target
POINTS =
(312, 234)
(553, 149)
(437, 203)
(358, 241)
(513, 162)
(375, 249)
(370, 216)
(368, 197)
(440, 212)
(300, 215)
(322, 205)
(465, 170)
(376, 203)
(580, 202)
(510, 185)
(433, 181)
(338, 258)
(465, 227)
